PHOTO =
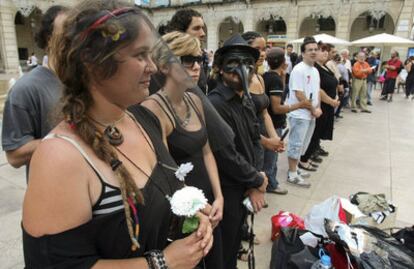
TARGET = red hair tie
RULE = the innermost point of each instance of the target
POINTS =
(104, 18)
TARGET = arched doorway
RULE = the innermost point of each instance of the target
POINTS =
(273, 29)
(371, 23)
(314, 25)
(228, 27)
(26, 28)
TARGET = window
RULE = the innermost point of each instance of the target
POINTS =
(162, 3)
(19, 19)
(326, 24)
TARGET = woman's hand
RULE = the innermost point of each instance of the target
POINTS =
(216, 213)
(186, 253)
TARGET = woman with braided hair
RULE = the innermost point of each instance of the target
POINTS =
(99, 182)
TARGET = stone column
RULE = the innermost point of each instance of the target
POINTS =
(212, 32)
(246, 17)
(8, 40)
(292, 22)
(404, 25)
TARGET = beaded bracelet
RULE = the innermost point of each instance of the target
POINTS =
(155, 259)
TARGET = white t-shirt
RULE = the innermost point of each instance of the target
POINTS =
(304, 78)
(289, 63)
(34, 60)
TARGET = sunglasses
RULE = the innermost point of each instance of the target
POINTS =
(188, 61)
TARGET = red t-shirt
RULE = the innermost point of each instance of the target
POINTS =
(393, 73)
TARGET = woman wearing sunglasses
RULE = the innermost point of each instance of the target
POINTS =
(181, 117)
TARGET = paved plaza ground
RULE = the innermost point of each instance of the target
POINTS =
(370, 152)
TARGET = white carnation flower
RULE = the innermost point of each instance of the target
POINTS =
(183, 170)
(188, 201)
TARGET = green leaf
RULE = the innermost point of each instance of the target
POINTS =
(190, 224)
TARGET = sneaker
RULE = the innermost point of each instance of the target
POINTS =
(383, 98)
(298, 181)
(369, 103)
(354, 110)
(303, 173)
(277, 190)
(366, 111)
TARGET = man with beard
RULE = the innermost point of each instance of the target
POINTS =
(235, 63)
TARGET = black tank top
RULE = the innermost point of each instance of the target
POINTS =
(106, 236)
(187, 146)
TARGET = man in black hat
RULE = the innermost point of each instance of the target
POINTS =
(235, 63)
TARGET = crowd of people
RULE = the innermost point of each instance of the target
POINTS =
(116, 110)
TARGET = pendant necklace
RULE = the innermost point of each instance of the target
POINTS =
(187, 118)
(114, 135)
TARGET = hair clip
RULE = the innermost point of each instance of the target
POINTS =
(103, 19)
(119, 34)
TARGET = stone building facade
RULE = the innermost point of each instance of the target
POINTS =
(279, 21)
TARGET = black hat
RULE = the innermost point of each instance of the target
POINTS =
(235, 42)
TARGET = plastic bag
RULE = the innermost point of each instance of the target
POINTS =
(283, 220)
(329, 209)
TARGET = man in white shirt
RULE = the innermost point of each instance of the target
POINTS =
(345, 59)
(304, 85)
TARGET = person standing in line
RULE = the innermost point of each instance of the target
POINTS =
(345, 81)
(275, 88)
(329, 101)
(393, 68)
(99, 182)
(409, 84)
(270, 141)
(304, 85)
(345, 60)
(26, 115)
(372, 79)
(360, 72)
(235, 63)
(190, 21)
(182, 119)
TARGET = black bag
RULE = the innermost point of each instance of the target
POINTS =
(406, 237)
(288, 251)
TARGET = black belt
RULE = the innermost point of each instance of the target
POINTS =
(361, 78)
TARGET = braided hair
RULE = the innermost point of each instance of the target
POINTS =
(75, 52)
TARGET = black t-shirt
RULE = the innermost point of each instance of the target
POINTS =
(274, 87)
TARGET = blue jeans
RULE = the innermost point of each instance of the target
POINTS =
(300, 134)
(371, 87)
(270, 165)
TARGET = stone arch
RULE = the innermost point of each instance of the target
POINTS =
(317, 24)
(228, 27)
(273, 29)
(26, 28)
(371, 23)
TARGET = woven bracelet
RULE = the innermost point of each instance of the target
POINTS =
(155, 259)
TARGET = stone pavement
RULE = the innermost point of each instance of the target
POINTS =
(371, 152)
